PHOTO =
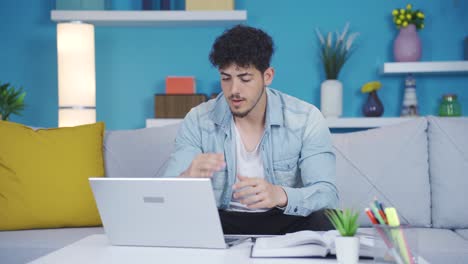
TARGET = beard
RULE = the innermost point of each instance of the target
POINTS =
(246, 112)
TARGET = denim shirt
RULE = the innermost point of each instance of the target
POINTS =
(296, 149)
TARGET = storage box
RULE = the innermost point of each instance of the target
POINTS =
(209, 5)
(180, 85)
(176, 105)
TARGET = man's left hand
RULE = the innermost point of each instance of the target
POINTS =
(258, 193)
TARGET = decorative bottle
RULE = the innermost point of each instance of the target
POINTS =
(449, 106)
(410, 102)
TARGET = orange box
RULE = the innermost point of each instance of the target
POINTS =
(180, 85)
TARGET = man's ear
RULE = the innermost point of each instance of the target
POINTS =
(268, 76)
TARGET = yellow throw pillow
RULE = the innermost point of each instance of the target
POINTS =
(44, 176)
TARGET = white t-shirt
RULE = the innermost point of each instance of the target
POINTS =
(249, 164)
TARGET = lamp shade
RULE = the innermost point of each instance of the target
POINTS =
(76, 74)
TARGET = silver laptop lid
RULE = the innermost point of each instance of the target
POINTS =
(171, 212)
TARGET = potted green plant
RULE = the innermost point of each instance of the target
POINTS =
(346, 245)
(334, 52)
(11, 101)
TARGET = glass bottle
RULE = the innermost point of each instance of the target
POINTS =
(410, 102)
(449, 106)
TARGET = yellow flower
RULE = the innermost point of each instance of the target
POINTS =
(420, 15)
(371, 87)
(405, 24)
(409, 16)
(402, 17)
(398, 22)
(402, 11)
(395, 12)
(409, 6)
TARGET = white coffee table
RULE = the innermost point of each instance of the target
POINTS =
(96, 249)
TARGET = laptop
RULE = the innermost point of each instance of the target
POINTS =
(166, 212)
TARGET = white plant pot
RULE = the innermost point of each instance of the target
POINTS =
(347, 249)
(331, 98)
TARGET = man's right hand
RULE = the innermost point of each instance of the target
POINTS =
(205, 165)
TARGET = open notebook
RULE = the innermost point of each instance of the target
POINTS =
(305, 244)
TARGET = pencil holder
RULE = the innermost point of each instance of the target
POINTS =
(395, 244)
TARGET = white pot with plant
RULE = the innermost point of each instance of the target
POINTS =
(11, 101)
(346, 245)
(334, 52)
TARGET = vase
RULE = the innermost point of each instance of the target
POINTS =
(407, 45)
(347, 249)
(373, 106)
(331, 98)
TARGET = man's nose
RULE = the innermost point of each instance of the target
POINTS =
(235, 87)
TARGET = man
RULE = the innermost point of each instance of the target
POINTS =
(269, 155)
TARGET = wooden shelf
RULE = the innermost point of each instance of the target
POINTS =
(425, 67)
(151, 18)
(347, 122)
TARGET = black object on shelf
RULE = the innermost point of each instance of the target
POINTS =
(466, 48)
(147, 5)
(165, 4)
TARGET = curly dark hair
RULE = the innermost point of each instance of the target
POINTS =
(244, 46)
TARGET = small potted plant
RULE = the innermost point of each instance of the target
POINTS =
(334, 52)
(11, 101)
(346, 245)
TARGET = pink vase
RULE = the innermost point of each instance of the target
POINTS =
(407, 45)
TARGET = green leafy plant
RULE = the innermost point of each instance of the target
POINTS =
(334, 52)
(344, 221)
(11, 100)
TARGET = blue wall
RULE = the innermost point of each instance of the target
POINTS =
(132, 62)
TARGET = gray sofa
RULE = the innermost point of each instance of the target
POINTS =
(420, 167)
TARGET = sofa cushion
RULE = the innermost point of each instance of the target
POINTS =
(44, 176)
(442, 246)
(448, 159)
(463, 233)
(26, 245)
(139, 153)
(389, 163)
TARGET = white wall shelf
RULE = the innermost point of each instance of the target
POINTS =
(364, 122)
(425, 67)
(347, 122)
(151, 18)
(160, 122)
